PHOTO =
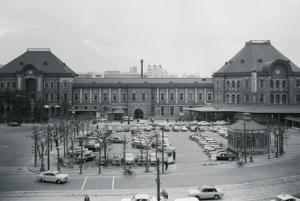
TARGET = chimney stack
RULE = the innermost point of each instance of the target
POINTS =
(142, 68)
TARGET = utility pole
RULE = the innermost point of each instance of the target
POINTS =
(158, 180)
(162, 148)
(100, 156)
(35, 147)
(245, 142)
(48, 139)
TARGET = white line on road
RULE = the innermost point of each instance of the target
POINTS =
(113, 183)
(83, 183)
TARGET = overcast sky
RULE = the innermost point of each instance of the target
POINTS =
(186, 36)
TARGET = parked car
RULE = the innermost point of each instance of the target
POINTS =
(125, 118)
(141, 158)
(153, 159)
(193, 128)
(129, 159)
(203, 123)
(221, 122)
(117, 157)
(86, 157)
(101, 119)
(130, 118)
(167, 128)
(285, 197)
(116, 139)
(206, 192)
(52, 176)
(126, 129)
(140, 197)
(119, 129)
(176, 129)
(148, 128)
(140, 144)
(225, 156)
(13, 124)
(183, 128)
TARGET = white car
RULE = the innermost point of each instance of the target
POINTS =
(221, 122)
(52, 176)
(285, 197)
(140, 197)
(203, 123)
(129, 159)
(206, 192)
(183, 128)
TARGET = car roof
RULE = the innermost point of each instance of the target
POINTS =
(284, 196)
(207, 186)
(142, 196)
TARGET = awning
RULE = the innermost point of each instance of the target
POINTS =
(119, 110)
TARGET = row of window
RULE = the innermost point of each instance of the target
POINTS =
(8, 84)
(50, 84)
(273, 98)
(261, 84)
(143, 96)
(250, 141)
(55, 96)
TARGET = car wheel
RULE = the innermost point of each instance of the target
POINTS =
(198, 197)
(42, 180)
(216, 197)
(58, 181)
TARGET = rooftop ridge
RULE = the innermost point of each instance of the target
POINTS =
(258, 42)
(38, 49)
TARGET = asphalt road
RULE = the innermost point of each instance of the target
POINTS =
(188, 171)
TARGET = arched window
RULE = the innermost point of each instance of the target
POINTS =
(233, 84)
(227, 84)
(238, 98)
(232, 98)
(271, 84)
(277, 84)
(227, 98)
(283, 84)
(248, 141)
(238, 84)
(277, 98)
(272, 98)
(284, 98)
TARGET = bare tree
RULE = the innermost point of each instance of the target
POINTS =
(104, 136)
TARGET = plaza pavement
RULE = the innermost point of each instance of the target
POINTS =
(264, 190)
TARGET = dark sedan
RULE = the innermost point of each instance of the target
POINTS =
(13, 124)
(225, 156)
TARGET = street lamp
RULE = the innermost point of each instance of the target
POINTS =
(57, 107)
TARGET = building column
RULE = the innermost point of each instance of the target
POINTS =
(167, 95)
(195, 95)
(176, 96)
(109, 95)
(91, 95)
(99, 97)
(157, 96)
(80, 95)
(186, 95)
(119, 95)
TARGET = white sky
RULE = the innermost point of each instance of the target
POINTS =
(184, 36)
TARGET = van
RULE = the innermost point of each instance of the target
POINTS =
(129, 159)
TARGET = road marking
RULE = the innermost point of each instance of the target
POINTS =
(113, 182)
(83, 183)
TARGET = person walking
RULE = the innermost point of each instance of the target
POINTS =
(87, 198)
(166, 165)
(97, 127)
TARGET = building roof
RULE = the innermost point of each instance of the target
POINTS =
(249, 125)
(251, 108)
(144, 80)
(43, 59)
(254, 55)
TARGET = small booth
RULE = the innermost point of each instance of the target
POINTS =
(170, 154)
(247, 136)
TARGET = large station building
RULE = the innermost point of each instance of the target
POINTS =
(258, 78)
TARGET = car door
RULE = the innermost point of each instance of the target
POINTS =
(204, 194)
(46, 176)
(52, 177)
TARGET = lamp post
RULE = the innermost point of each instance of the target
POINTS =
(245, 142)
(72, 138)
(57, 108)
(162, 148)
(47, 107)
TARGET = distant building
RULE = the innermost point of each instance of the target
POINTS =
(133, 69)
(155, 71)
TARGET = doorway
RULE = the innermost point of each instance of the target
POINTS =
(138, 113)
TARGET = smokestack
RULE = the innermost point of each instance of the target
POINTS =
(142, 68)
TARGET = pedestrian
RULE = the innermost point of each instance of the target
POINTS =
(97, 127)
(167, 120)
(166, 165)
(58, 169)
(87, 198)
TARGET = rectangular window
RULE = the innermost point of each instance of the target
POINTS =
(171, 96)
(181, 109)
(2, 85)
(190, 96)
(247, 85)
(247, 98)
(200, 96)
(95, 107)
(76, 96)
(261, 83)
(65, 84)
(104, 108)
(7, 84)
(297, 83)
(14, 84)
(162, 110)
(143, 96)
(218, 84)
(46, 84)
(57, 84)
(52, 96)
(172, 110)
(218, 96)
(261, 97)
(297, 97)
(85, 96)
(153, 96)
(133, 97)
(209, 96)
(85, 107)
(114, 96)
(124, 96)
(162, 96)
(65, 96)
(76, 107)
(51, 84)
(57, 96)
(46, 96)
(105, 96)
(238, 84)
(95, 96)
(181, 96)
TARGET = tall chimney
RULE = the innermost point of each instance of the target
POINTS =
(142, 68)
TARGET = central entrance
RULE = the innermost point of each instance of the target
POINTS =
(138, 113)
